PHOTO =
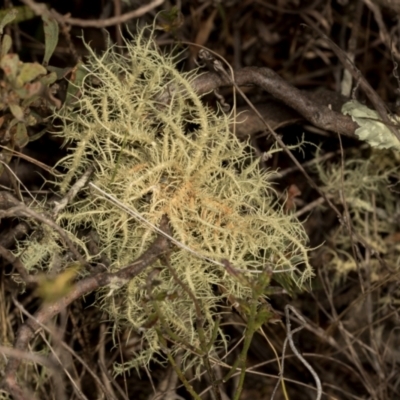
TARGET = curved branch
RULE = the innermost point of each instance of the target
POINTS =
(41, 9)
(318, 112)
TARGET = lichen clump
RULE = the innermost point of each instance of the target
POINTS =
(159, 150)
(369, 186)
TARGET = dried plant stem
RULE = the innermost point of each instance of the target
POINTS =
(289, 339)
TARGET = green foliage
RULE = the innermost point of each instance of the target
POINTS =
(160, 151)
(15, 15)
(24, 88)
(50, 27)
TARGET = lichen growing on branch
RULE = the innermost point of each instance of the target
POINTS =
(175, 158)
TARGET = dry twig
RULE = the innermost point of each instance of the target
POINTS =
(41, 9)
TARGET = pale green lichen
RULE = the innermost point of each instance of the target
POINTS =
(371, 128)
(173, 157)
(368, 185)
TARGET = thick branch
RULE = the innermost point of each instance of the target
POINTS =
(316, 112)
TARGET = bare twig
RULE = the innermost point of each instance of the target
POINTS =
(41, 9)
(24, 355)
(289, 339)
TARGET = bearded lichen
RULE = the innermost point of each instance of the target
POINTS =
(174, 158)
(369, 187)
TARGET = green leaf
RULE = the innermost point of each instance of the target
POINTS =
(61, 72)
(9, 64)
(17, 111)
(7, 18)
(170, 21)
(75, 83)
(22, 13)
(21, 138)
(29, 72)
(48, 79)
(5, 45)
(50, 27)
